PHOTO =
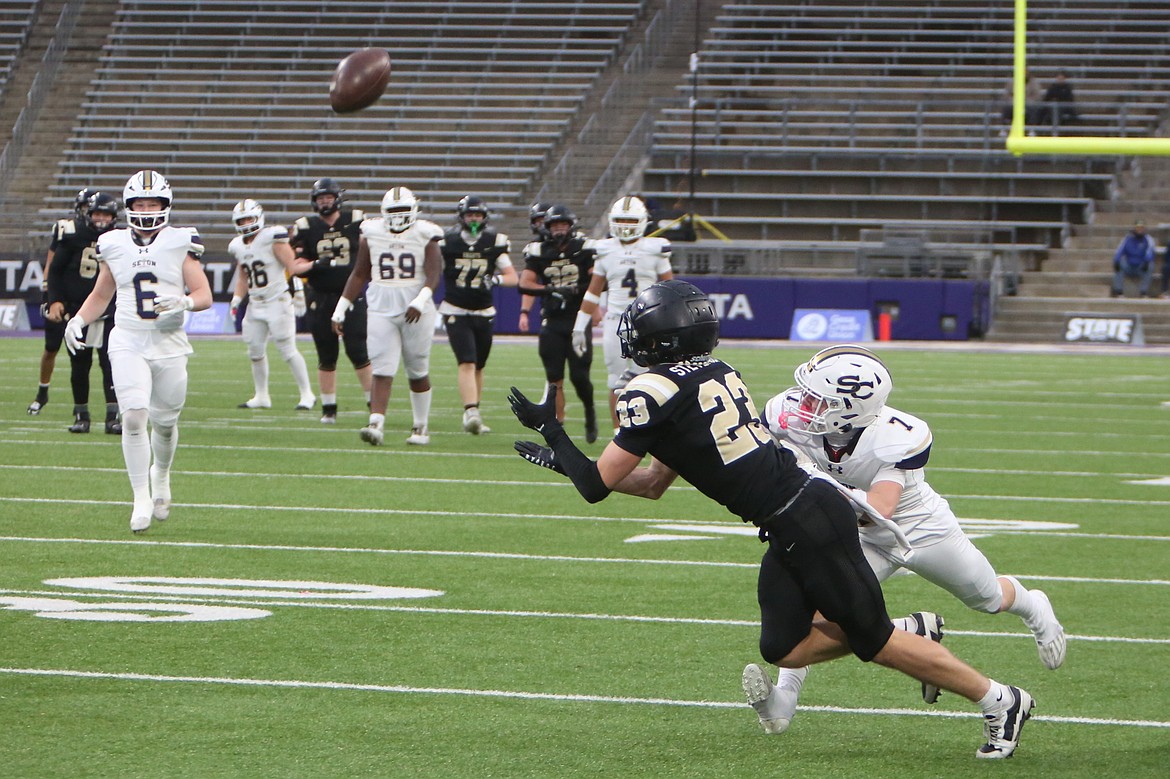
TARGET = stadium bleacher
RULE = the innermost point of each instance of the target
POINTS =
(16, 17)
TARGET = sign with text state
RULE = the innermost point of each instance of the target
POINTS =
(831, 324)
(14, 316)
(1104, 329)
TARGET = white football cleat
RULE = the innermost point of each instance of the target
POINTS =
(1049, 633)
(418, 437)
(372, 435)
(257, 403)
(775, 706)
(473, 422)
(306, 403)
(140, 516)
(1002, 728)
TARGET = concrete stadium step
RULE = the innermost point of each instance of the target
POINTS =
(1021, 319)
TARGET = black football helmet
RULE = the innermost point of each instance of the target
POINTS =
(326, 186)
(472, 204)
(669, 321)
(536, 214)
(102, 203)
(81, 200)
(558, 213)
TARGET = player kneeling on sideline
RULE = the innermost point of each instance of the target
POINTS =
(401, 308)
(819, 599)
(149, 266)
(263, 256)
(837, 420)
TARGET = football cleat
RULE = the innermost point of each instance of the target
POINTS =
(113, 424)
(306, 403)
(35, 407)
(590, 431)
(473, 422)
(1050, 639)
(372, 435)
(80, 424)
(329, 413)
(929, 625)
(418, 437)
(160, 488)
(140, 517)
(256, 403)
(1002, 728)
(775, 706)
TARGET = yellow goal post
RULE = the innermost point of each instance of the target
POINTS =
(1018, 143)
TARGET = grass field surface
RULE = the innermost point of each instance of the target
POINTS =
(316, 607)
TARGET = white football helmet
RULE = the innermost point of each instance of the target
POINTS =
(248, 209)
(399, 209)
(147, 183)
(628, 219)
(840, 389)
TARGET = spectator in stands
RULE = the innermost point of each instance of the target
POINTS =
(1060, 105)
(1134, 258)
(1033, 97)
(670, 220)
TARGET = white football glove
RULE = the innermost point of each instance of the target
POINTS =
(167, 304)
(73, 340)
(580, 345)
(300, 308)
(234, 308)
(339, 312)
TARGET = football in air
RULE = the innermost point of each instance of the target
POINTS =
(360, 79)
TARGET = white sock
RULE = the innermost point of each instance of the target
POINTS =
(998, 697)
(163, 442)
(1023, 607)
(377, 420)
(300, 371)
(260, 377)
(329, 400)
(136, 451)
(420, 407)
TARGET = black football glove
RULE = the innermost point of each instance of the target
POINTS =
(539, 455)
(535, 416)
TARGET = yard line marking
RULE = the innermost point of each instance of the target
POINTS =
(490, 556)
(1153, 478)
(541, 696)
(636, 618)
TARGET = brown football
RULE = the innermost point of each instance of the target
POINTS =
(360, 79)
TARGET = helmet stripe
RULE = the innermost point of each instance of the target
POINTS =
(842, 349)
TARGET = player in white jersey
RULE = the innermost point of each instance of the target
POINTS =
(837, 417)
(626, 264)
(154, 270)
(263, 256)
(399, 257)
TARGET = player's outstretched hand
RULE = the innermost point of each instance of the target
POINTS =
(538, 455)
(534, 415)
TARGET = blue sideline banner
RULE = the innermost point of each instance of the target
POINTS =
(852, 326)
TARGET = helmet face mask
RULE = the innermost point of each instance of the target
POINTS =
(558, 214)
(81, 200)
(840, 389)
(251, 210)
(399, 209)
(628, 219)
(326, 186)
(147, 185)
(669, 321)
(469, 206)
(101, 203)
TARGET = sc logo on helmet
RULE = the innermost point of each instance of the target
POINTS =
(853, 387)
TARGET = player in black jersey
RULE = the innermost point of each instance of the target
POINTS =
(54, 331)
(72, 274)
(819, 599)
(326, 245)
(558, 270)
(475, 259)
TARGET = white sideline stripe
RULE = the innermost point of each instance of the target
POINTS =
(491, 556)
(540, 696)
(1152, 478)
(266, 603)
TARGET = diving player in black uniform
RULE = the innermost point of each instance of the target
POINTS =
(819, 598)
(475, 259)
(326, 245)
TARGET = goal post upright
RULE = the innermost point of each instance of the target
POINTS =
(1019, 143)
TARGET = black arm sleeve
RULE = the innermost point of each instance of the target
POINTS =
(580, 469)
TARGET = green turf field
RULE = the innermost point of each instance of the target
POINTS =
(456, 612)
